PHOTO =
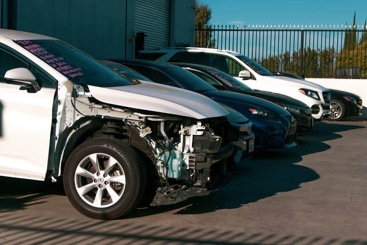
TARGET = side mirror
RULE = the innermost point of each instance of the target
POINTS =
(24, 78)
(245, 74)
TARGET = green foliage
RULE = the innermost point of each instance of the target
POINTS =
(350, 39)
(202, 16)
(356, 57)
(315, 63)
(364, 35)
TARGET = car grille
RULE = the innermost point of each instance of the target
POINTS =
(326, 96)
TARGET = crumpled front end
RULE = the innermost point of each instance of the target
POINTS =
(196, 162)
(189, 156)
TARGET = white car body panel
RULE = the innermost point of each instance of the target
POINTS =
(289, 87)
(281, 85)
(27, 117)
(24, 145)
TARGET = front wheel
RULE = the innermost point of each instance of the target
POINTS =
(104, 178)
(337, 110)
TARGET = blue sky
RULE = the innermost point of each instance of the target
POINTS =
(286, 12)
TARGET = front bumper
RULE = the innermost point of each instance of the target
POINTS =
(245, 147)
(320, 111)
(305, 123)
(275, 134)
(353, 110)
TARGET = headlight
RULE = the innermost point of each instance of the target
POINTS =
(292, 109)
(310, 93)
(261, 112)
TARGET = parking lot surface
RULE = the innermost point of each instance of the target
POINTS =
(314, 193)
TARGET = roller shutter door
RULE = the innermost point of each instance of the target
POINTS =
(152, 18)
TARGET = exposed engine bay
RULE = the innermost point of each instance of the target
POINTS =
(185, 152)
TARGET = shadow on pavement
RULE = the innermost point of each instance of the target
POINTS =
(20, 229)
(20, 193)
(267, 173)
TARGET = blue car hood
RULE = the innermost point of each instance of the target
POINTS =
(234, 99)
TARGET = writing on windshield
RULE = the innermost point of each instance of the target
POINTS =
(77, 66)
(56, 62)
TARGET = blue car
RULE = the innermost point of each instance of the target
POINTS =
(273, 126)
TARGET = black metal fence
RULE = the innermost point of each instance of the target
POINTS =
(308, 51)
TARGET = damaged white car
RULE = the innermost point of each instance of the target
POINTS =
(116, 143)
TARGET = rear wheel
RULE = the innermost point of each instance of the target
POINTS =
(104, 178)
(337, 110)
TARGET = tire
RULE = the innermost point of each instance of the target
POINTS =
(112, 191)
(337, 110)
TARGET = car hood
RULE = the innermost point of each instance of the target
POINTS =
(279, 99)
(288, 81)
(160, 98)
(340, 93)
(246, 101)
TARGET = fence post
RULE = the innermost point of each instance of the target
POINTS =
(301, 73)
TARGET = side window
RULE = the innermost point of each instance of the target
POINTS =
(209, 80)
(149, 56)
(154, 75)
(9, 61)
(226, 64)
(44, 80)
(191, 57)
(234, 68)
(219, 62)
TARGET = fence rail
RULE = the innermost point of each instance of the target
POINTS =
(308, 51)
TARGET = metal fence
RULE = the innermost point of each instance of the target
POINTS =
(308, 51)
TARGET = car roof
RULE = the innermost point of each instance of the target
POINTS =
(21, 35)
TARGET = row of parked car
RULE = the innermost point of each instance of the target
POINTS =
(126, 133)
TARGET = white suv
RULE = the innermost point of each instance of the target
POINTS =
(116, 142)
(248, 72)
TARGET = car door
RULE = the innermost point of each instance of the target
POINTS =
(26, 123)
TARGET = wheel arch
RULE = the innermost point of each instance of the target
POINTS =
(92, 127)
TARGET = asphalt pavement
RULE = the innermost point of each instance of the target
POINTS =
(314, 193)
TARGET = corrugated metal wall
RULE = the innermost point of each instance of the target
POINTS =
(153, 17)
(96, 27)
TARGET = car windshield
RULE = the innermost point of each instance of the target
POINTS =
(255, 66)
(126, 71)
(228, 80)
(75, 65)
(189, 80)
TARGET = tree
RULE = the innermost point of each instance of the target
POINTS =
(353, 55)
(203, 31)
(202, 15)
(350, 39)
(364, 34)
